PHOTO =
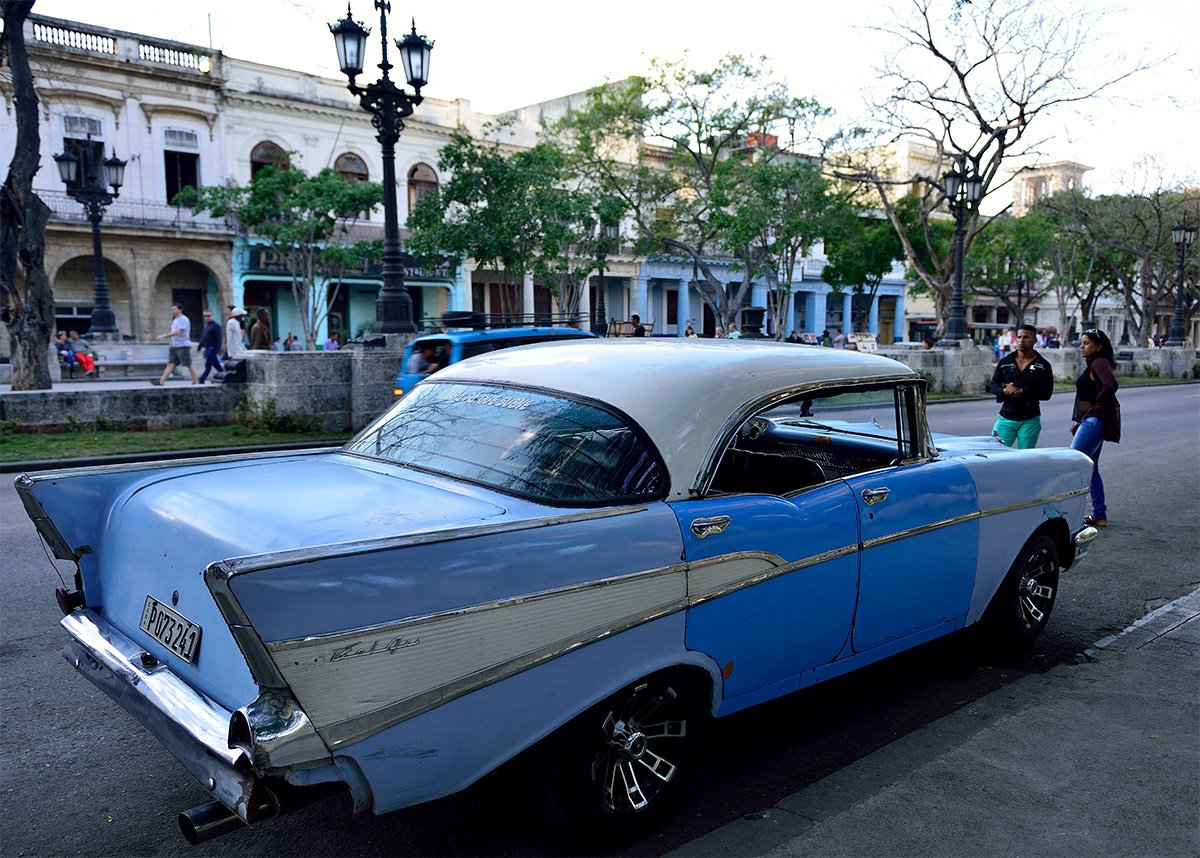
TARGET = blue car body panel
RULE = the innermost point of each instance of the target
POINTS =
(791, 621)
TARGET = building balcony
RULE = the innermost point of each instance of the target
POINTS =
(144, 214)
(120, 46)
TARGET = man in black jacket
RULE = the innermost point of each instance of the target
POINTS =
(210, 345)
(1023, 378)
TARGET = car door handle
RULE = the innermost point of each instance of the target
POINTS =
(873, 496)
(703, 527)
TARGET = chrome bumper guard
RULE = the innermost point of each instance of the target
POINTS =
(1083, 540)
(191, 726)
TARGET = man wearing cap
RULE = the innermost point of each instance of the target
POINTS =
(210, 345)
(235, 342)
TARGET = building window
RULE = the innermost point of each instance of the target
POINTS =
(422, 180)
(352, 167)
(84, 137)
(267, 154)
(181, 161)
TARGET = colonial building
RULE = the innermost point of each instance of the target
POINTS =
(186, 115)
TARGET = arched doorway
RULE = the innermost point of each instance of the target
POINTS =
(74, 295)
(190, 285)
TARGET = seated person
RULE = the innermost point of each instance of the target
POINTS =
(424, 362)
(83, 355)
(65, 354)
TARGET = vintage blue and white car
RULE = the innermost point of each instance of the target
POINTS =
(579, 551)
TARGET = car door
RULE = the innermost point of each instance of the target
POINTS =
(919, 533)
(772, 582)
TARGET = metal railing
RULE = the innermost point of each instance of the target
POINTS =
(135, 212)
(130, 47)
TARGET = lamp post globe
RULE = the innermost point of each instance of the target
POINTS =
(86, 176)
(963, 188)
(1182, 234)
(388, 104)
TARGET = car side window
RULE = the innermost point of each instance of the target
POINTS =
(820, 436)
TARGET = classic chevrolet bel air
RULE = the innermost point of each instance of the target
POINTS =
(574, 552)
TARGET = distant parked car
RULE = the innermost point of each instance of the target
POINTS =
(578, 552)
(450, 348)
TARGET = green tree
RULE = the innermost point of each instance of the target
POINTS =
(495, 208)
(861, 249)
(769, 209)
(670, 146)
(307, 222)
(1008, 262)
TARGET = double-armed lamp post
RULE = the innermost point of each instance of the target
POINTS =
(1183, 234)
(607, 237)
(388, 104)
(86, 177)
(963, 191)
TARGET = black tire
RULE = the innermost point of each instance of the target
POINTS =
(1021, 607)
(613, 772)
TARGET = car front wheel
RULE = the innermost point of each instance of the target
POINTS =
(1022, 605)
(618, 767)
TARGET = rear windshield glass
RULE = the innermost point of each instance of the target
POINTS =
(529, 443)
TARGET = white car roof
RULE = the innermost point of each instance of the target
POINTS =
(681, 392)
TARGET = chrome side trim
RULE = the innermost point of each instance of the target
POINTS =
(353, 730)
(41, 521)
(423, 662)
(128, 467)
(287, 557)
(781, 568)
(190, 725)
(262, 668)
(918, 531)
(1035, 502)
(398, 627)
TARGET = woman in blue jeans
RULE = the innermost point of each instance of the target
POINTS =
(1097, 414)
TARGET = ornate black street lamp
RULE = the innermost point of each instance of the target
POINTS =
(1183, 234)
(388, 104)
(963, 190)
(86, 177)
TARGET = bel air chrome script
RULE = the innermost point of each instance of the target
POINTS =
(358, 649)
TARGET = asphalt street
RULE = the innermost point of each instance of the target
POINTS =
(77, 776)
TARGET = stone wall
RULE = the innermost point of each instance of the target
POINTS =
(97, 406)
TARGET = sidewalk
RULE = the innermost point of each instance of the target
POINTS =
(1096, 758)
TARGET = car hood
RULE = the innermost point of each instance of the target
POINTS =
(955, 445)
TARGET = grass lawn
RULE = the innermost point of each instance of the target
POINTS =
(28, 447)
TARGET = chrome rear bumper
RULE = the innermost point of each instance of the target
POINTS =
(191, 726)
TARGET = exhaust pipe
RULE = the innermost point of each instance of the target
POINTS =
(208, 821)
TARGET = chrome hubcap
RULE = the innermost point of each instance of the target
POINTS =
(1035, 595)
(632, 765)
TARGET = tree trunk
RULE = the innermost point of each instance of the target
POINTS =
(28, 301)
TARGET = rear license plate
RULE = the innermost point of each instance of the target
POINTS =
(171, 629)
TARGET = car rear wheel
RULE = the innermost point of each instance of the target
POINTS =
(616, 769)
(1021, 607)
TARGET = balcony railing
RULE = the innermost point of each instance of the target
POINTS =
(133, 212)
(118, 44)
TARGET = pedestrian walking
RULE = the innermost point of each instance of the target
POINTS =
(333, 343)
(1097, 413)
(235, 337)
(260, 331)
(180, 346)
(1023, 379)
(210, 345)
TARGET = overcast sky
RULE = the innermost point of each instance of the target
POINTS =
(505, 55)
